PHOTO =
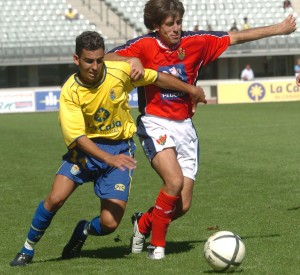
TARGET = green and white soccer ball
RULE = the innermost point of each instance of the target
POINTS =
(224, 251)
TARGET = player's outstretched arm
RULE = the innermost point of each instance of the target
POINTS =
(287, 26)
(298, 80)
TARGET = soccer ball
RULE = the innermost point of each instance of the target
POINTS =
(224, 251)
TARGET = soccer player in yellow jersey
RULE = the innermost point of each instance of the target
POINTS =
(98, 129)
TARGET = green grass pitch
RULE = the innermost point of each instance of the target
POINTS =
(248, 183)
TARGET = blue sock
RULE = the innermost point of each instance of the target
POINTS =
(41, 221)
(27, 251)
(95, 228)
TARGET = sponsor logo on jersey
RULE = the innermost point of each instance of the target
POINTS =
(181, 53)
(114, 124)
(120, 187)
(101, 115)
(112, 95)
(256, 92)
(177, 70)
(172, 96)
(75, 170)
(162, 140)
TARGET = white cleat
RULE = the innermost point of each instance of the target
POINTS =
(138, 239)
(156, 252)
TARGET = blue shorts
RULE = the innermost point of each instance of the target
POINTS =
(109, 182)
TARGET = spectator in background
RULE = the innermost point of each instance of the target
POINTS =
(71, 14)
(246, 25)
(298, 80)
(297, 67)
(247, 73)
(287, 4)
(209, 27)
(234, 27)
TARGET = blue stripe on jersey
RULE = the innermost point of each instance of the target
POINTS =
(214, 33)
(183, 34)
(131, 41)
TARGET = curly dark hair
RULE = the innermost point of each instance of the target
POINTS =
(89, 40)
(156, 11)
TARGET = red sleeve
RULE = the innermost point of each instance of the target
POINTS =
(215, 46)
(134, 47)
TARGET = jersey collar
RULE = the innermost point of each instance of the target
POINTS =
(161, 44)
(77, 79)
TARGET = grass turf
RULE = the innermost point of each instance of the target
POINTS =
(248, 183)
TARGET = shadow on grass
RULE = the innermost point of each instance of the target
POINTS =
(260, 236)
(123, 251)
(294, 208)
(218, 272)
(116, 252)
(182, 246)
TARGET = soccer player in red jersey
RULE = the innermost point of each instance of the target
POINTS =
(165, 126)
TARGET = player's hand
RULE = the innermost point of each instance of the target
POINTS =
(198, 97)
(136, 68)
(121, 161)
(288, 25)
(298, 80)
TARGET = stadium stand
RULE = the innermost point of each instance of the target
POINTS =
(220, 15)
(38, 29)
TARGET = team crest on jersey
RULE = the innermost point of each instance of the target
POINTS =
(120, 187)
(162, 140)
(112, 95)
(75, 170)
(181, 53)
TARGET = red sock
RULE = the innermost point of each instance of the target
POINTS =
(145, 222)
(161, 217)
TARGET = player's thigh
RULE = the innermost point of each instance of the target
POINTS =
(112, 211)
(61, 190)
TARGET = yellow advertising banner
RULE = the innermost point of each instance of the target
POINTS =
(258, 91)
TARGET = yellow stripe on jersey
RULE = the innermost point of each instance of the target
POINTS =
(103, 110)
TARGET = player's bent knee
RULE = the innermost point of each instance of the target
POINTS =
(109, 227)
(174, 186)
(53, 202)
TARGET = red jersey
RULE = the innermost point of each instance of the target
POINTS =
(195, 50)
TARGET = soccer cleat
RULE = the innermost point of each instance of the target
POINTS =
(138, 239)
(156, 252)
(73, 247)
(21, 259)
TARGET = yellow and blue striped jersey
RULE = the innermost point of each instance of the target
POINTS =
(101, 110)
